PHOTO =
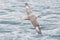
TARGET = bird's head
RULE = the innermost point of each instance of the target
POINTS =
(26, 4)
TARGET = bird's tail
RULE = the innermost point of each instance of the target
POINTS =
(38, 30)
(28, 10)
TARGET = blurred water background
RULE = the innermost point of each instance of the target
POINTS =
(13, 28)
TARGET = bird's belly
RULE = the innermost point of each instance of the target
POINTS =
(35, 23)
(33, 20)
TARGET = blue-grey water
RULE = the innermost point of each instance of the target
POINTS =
(13, 28)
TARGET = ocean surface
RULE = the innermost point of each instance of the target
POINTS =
(12, 27)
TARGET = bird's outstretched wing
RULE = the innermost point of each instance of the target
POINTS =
(36, 25)
(28, 10)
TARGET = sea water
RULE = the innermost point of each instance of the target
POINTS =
(12, 27)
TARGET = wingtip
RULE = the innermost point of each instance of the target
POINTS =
(38, 30)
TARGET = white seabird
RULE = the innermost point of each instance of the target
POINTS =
(32, 18)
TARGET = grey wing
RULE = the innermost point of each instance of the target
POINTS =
(36, 25)
(28, 10)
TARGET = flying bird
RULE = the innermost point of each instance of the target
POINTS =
(32, 18)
